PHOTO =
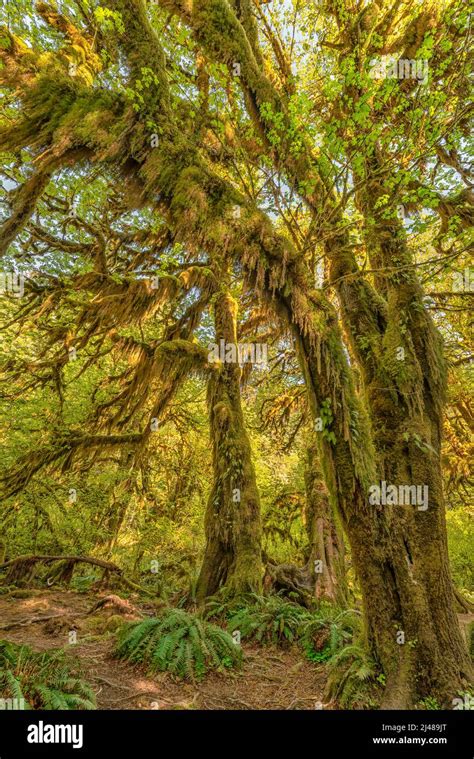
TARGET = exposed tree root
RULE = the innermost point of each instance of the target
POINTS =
(119, 605)
(288, 578)
(32, 620)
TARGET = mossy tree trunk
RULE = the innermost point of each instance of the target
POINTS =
(399, 553)
(394, 341)
(411, 623)
(232, 555)
(325, 542)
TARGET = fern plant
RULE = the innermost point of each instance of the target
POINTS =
(41, 680)
(353, 677)
(328, 630)
(223, 605)
(178, 642)
(269, 619)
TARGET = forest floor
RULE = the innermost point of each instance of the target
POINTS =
(270, 678)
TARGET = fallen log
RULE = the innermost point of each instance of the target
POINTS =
(465, 606)
(119, 605)
(33, 620)
(23, 567)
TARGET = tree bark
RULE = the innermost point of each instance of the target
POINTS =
(403, 373)
(399, 553)
(233, 556)
(325, 543)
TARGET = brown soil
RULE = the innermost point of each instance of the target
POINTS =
(270, 678)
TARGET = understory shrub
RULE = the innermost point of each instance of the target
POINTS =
(43, 680)
(269, 619)
(178, 642)
(353, 680)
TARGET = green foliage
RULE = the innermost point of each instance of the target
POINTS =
(269, 619)
(318, 657)
(223, 605)
(353, 677)
(429, 703)
(461, 546)
(180, 643)
(42, 680)
(327, 419)
(109, 20)
(82, 583)
(274, 619)
(327, 631)
(333, 637)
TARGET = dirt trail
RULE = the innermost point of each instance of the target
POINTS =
(269, 678)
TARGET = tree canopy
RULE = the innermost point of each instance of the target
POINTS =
(247, 223)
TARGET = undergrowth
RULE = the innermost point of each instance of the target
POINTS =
(269, 619)
(353, 680)
(41, 680)
(326, 634)
(178, 642)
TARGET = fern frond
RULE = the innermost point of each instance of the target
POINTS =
(178, 642)
(43, 680)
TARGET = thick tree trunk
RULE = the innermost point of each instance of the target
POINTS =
(412, 625)
(399, 553)
(233, 530)
(402, 564)
(325, 543)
